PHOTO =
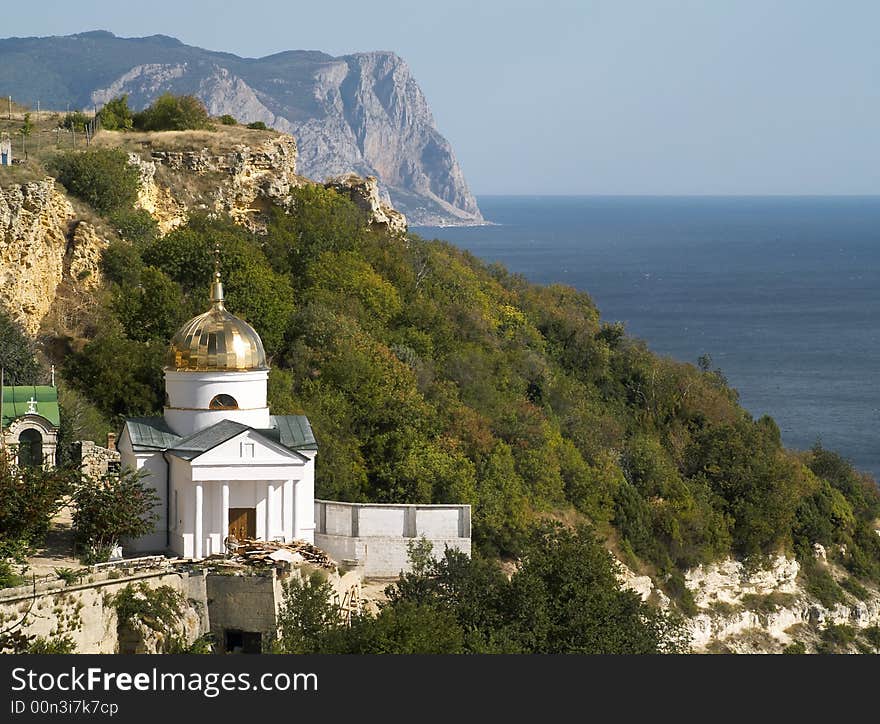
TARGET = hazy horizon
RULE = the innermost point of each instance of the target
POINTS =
(588, 98)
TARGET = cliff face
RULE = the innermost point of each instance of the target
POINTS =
(740, 609)
(361, 113)
(34, 221)
(240, 182)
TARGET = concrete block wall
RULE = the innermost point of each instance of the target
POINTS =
(377, 536)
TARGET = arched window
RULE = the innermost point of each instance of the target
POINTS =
(224, 402)
(30, 449)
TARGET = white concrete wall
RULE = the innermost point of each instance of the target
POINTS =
(378, 536)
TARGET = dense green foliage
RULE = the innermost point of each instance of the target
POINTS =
(112, 507)
(16, 354)
(173, 113)
(116, 115)
(227, 120)
(29, 498)
(564, 598)
(101, 177)
(258, 126)
(430, 376)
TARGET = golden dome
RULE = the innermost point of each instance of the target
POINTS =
(216, 340)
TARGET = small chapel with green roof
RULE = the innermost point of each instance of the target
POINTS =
(30, 423)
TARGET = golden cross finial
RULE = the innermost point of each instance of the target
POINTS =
(217, 286)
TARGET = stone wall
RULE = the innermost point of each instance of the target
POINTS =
(82, 610)
(96, 460)
(377, 537)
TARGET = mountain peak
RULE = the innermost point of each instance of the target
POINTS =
(361, 113)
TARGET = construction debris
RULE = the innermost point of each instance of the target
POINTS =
(268, 553)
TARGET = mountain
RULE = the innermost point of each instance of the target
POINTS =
(362, 113)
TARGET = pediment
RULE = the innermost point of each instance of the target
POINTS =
(247, 448)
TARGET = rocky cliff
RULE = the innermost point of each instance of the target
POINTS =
(361, 113)
(34, 223)
(762, 609)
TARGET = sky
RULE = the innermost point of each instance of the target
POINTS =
(590, 97)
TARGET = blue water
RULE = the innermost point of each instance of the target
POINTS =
(783, 293)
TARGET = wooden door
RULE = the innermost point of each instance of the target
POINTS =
(243, 523)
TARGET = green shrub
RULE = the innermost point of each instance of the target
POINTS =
(101, 177)
(227, 120)
(821, 585)
(135, 225)
(258, 126)
(116, 115)
(871, 634)
(837, 638)
(796, 647)
(58, 645)
(851, 585)
(75, 121)
(173, 113)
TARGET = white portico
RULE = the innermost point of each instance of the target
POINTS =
(220, 463)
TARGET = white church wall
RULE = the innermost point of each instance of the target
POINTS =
(155, 478)
(190, 394)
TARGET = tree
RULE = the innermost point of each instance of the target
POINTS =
(306, 615)
(173, 113)
(227, 120)
(111, 507)
(29, 499)
(16, 354)
(116, 115)
(25, 131)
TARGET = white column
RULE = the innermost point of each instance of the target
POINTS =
(288, 510)
(270, 509)
(197, 536)
(224, 516)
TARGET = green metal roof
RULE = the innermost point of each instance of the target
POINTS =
(295, 432)
(15, 402)
(207, 439)
(150, 432)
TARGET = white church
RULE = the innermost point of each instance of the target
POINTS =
(221, 464)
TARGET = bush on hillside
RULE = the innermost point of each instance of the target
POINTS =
(173, 113)
(227, 120)
(102, 177)
(258, 126)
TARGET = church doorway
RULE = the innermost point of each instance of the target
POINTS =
(243, 523)
(30, 449)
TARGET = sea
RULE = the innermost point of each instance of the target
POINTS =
(782, 292)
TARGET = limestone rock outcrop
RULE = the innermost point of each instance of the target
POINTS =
(761, 609)
(364, 192)
(34, 220)
(248, 178)
(85, 256)
(155, 199)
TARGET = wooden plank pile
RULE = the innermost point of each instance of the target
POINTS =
(269, 553)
